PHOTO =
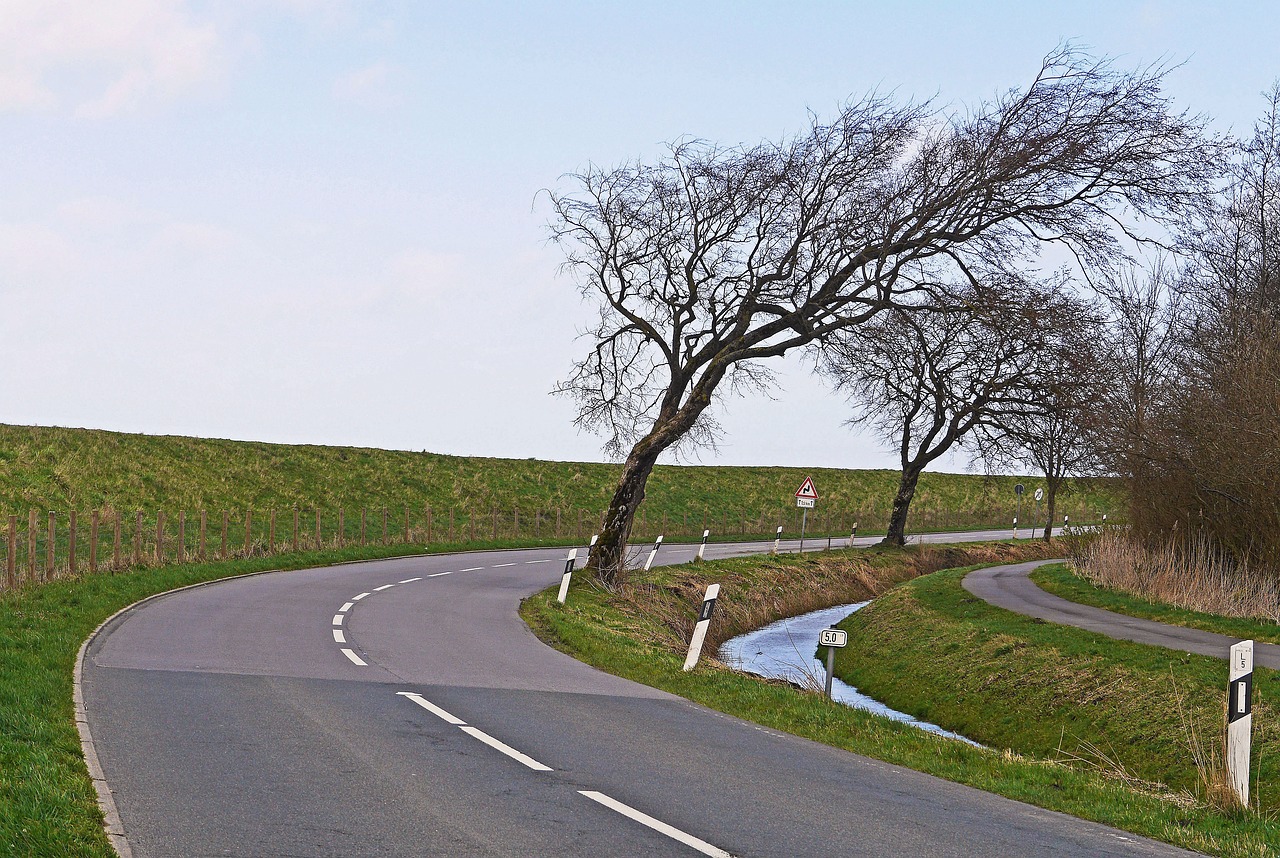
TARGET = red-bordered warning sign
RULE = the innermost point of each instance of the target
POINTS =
(807, 491)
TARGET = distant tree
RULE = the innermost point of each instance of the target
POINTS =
(925, 380)
(705, 265)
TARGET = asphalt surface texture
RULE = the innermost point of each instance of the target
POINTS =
(402, 708)
(1011, 588)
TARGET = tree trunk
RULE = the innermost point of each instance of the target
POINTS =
(897, 531)
(1051, 494)
(608, 558)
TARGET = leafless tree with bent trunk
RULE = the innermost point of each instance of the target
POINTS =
(713, 260)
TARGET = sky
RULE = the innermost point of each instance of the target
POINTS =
(319, 221)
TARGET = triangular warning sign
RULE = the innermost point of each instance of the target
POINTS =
(807, 490)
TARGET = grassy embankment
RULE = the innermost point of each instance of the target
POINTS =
(1092, 724)
(63, 469)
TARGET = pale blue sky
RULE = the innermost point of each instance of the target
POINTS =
(315, 221)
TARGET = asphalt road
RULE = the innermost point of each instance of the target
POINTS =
(401, 707)
(1011, 588)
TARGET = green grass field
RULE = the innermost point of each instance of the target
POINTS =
(63, 469)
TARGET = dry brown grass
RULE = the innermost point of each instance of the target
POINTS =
(1188, 574)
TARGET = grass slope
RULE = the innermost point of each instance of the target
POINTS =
(61, 469)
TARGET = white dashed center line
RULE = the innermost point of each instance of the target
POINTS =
(338, 618)
(656, 824)
(338, 636)
(472, 569)
(548, 560)
(438, 574)
(500, 565)
(504, 748)
(346, 607)
(358, 598)
(410, 580)
(383, 587)
(355, 659)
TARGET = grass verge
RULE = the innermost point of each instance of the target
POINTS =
(640, 633)
(1060, 580)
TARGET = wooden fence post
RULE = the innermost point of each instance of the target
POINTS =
(295, 528)
(317, 528)
(71, 544)
(471, 524)
(557, 522)
(364, 539)
(248, 532)
(225, 516)
(182, 536)
(451, 524)
(93, 542)
(515, 522)
(204, 527)
(493, 521)
(31, 546)
(115, 542)
(342, 527)
(271, 531)
(384, 525)
(11, 558)
(428, 525)
(577, 534)
(159, 537)
(137, 539)
(406, 525)
(50, 552)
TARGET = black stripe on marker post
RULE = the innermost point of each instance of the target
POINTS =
(710, 605)
(1240, 693)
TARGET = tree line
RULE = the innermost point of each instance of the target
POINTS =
(969, 277)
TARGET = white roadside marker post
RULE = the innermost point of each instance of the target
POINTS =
(700, 630)
(702, 549)
(568, 573)
(1015, 527)
(1240, 718)
(1104, 522)
(777, 540)
(595, 537)
(652, 554)
(1066, 520)
(853, 534)
(832, 639)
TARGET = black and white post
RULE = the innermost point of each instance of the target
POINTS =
(1240, 718)
(702, 549)
(568, 573)
(700, 630)
(853, 534)
(652, 554)
(777, 540)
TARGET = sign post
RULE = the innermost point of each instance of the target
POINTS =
(700, 630)
(568, 573)
(832, 639)
(1035, 517)
(806, 499)
(1018, 490)
(1240, 718)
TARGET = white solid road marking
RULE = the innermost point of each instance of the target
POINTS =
(657, 825)
(383, 587)
(500, 565)
(358, 598)
(338, 618)
(355, 659)
(438, 574)
(432, 708)
(348, 606)
(548, 560)
(504, 748)
(338, 636)
(410, 580)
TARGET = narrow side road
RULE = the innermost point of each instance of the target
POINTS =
(1010, 587)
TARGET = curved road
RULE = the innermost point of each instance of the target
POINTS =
(401, 707)
(1010, 587)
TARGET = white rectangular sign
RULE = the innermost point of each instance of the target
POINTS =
(806, 503)
(833, 637)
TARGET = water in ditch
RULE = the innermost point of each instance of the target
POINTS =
(785, 650)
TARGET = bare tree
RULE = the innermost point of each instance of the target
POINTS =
(925, 380)
(713, 260)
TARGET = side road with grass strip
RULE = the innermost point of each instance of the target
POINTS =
(918, 657)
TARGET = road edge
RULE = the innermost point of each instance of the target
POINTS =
(112, 823)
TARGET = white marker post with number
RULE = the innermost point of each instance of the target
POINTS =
(568, 573)
(702, 549)
(652, 554)
(700, 630)
(1240, 718)
(832, 639)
